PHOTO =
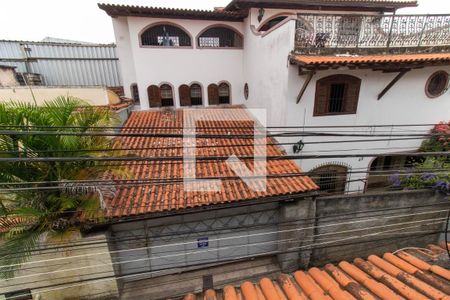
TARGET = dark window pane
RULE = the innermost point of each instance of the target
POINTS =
(272, 23)
(220, 37)
(166, 95)
(437, 84)
(135, 92)
(224, 93)
(387, 164)
(337, 92)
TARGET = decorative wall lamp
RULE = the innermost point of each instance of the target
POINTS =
(298, 146)
(260, 14)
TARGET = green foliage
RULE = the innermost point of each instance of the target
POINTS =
(30, 217)
(420, 177)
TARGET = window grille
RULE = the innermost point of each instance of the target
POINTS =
(224, 93)
(216, 37)
(196, 94)
(337, 94)
(209, 42)
(165, 36)
(336, 101)
(166, 95)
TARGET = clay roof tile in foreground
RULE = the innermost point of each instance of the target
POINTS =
(389, 278)
(284, 176)
(343, 60)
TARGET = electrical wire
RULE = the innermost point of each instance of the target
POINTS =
(303, 221)
(62, 286)
(210, 135)
(213, 158)
(215, 127)
(170, 180)
(204, 251)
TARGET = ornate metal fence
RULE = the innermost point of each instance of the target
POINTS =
(317, 33)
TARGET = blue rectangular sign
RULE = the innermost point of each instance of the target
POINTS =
(202, 242)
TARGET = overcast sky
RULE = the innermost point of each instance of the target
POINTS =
(82, 20)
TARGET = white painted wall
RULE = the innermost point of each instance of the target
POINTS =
(274, 85)
(176, 66)
(126, 61)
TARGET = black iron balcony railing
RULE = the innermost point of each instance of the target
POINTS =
(321, 33)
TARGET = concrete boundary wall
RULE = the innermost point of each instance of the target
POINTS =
(391, 237)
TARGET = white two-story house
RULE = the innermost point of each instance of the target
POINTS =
(315, 66)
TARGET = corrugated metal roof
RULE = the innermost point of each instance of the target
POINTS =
(64, 64)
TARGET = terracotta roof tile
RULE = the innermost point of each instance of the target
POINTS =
(374, 278)
(137, 200)
(114, 10)
(364, 59)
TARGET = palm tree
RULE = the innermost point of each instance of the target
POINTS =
(31, 217)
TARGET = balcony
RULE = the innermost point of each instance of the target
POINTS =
(322, 34)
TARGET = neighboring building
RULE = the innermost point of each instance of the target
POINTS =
(57, 67)
(309, 63)
(63, 63)
(407, 274)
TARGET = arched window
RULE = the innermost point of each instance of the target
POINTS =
(160, 96)
(330, 178)
(154, 96)
(196, 94)
(166, 95)
(213, 94)
(220, 37)
(271, 23)
(337, 94)
(190, 95)
(224, 93)
(135, 92)
(165, 35)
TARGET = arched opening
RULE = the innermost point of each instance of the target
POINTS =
(382, 167)
(190, 95)
(135, 93)
(154, 96)
(330, 178)
(213, 94)
(160, 96)
(196, 94)
(165, 35)
(224, 93)
(272, 22)
(220, 37)
(166, 95)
